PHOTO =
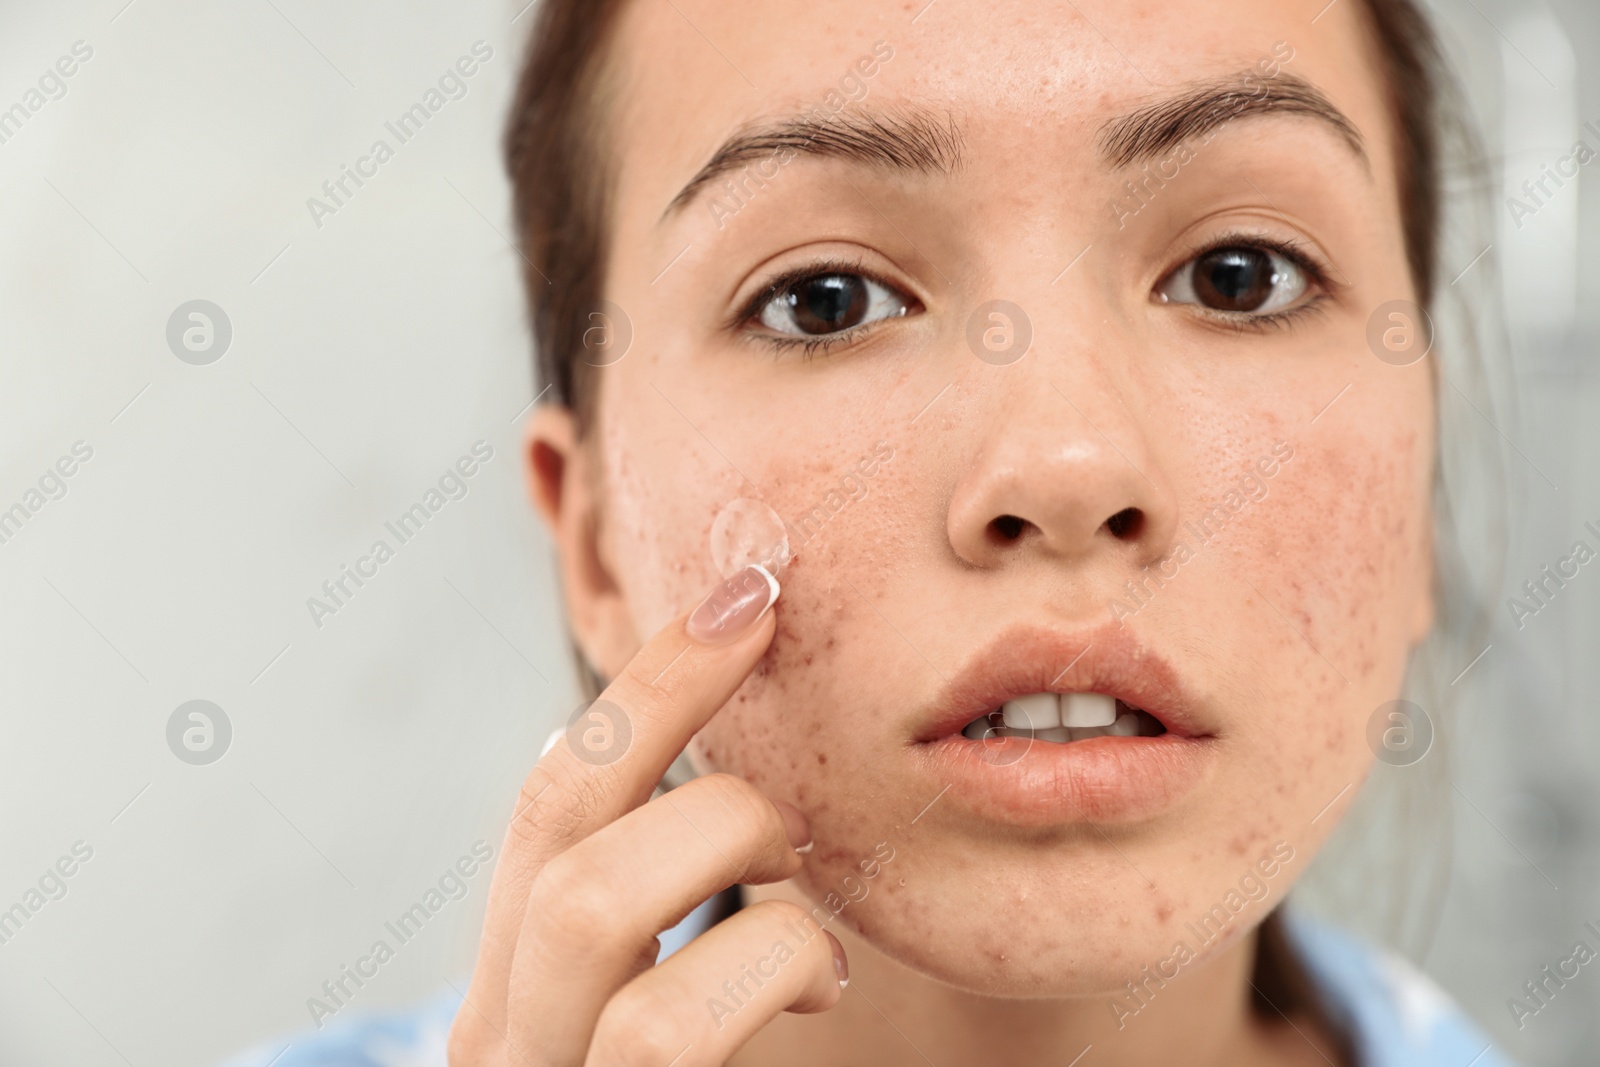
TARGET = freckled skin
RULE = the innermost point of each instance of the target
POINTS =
(1291, 625)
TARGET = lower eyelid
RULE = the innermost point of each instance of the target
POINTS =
(1243, 320)
(809, 347)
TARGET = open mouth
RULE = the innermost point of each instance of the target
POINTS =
(1151, 740)
(1061, 718)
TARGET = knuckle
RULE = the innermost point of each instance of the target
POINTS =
(749, 807)
(573, 896)
(636, 1027)
(555, 807)
(468, 1044)
(631, 689)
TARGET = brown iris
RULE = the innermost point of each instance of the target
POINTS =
(1234, 279)
(828, 303)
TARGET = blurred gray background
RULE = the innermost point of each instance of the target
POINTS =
(373, 346)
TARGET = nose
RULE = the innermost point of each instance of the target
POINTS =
(1064, 472)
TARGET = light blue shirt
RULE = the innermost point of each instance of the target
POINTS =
(1396, 1015)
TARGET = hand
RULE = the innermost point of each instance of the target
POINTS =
(592, 870)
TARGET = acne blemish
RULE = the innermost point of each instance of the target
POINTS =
(747, 531)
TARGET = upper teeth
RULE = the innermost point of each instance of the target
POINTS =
(1036, 711)
(1041, 711)
(1061, 717)
(1088, 709)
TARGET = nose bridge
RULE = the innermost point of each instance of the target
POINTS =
(1066, 465)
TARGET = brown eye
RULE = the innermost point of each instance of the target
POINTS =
(1233, 279)
(830, 303)
(1238, 279)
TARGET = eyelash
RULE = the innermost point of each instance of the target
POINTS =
(811, 347)
(808, 347)
(1295, 252)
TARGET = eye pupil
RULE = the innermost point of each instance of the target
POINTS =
(829, 303)
(1234, 279)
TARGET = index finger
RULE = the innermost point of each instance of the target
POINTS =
(669, 690)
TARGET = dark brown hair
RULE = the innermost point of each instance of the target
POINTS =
(560, 180)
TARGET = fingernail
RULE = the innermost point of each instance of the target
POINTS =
(841, 966)
(796, 826)
(733, 607)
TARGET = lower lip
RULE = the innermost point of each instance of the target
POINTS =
(1042, 783)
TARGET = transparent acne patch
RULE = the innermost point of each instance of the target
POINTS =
(747, 531)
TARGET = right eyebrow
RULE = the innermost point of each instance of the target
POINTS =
(900, 139)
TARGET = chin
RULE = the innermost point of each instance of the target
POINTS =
(1064, 943)
(1013, 911)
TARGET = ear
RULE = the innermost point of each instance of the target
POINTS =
(564, 482)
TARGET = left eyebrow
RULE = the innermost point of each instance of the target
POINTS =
(1155, 129)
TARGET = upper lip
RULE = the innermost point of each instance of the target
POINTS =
(1031, 659)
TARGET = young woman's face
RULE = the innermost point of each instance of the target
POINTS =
(1177, 392)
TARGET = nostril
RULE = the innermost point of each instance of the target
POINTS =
(1008, 527)
(1126, 524)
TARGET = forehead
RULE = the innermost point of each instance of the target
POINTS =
(1022, 78)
